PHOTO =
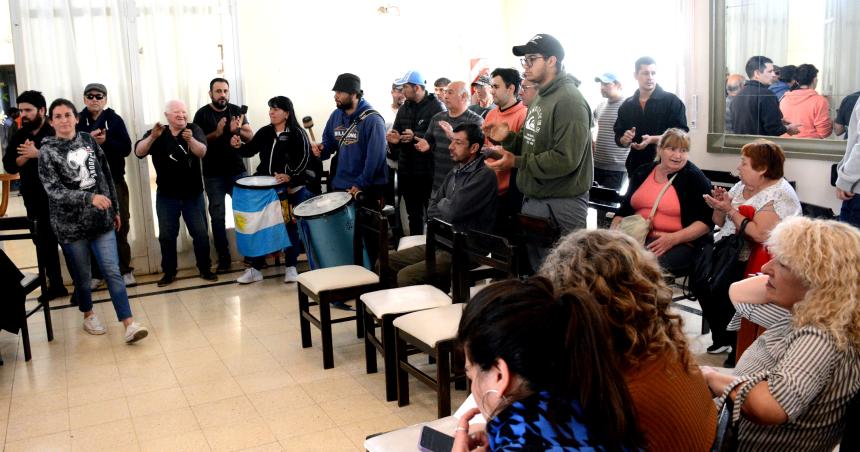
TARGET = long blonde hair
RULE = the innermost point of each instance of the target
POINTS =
(825, 255)
(627, 282)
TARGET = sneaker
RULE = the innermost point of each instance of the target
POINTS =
(342, 306)
(291, 275)
(93, 325)
(208, 275)
(716, 349)
(166, 280)
(128, 279)
(135, 332)
(95, 283)
(53, 292)
(251, 275)
(223, 267)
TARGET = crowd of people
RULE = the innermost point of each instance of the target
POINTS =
(616, 372)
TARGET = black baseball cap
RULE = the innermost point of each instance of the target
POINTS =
(543, 44)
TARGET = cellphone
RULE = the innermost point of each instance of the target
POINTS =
(491, 153)
(433, 440)
(243, 110)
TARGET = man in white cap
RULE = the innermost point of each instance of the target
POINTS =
(609, 157)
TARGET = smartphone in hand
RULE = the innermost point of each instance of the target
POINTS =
(491, 153)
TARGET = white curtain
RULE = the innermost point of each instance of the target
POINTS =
(755, 27)
(840, 75)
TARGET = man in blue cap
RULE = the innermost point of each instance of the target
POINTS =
(415, 169)
(609, 158)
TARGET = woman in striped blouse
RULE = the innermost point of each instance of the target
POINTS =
(794, 384)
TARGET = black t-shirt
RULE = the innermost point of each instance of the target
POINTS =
(177, 168)
(35, 198)
(221, 159)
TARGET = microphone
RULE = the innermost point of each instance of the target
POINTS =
(308, 123)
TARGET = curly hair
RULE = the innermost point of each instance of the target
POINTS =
(627, 282)
(825, 255)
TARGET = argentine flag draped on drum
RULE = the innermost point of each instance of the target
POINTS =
(259, 220)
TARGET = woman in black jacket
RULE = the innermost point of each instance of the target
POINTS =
(683, 219)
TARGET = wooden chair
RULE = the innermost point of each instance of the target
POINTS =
(382, 307)
(606, 201)
(11, 229)
(342, 283)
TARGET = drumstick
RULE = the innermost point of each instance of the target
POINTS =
(308, 123)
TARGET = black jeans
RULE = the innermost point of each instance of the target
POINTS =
(416, 194)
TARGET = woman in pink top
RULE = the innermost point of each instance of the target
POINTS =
(805, 107)
(682, 221)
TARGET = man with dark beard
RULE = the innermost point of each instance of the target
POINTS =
(22, 156)
(222, 165)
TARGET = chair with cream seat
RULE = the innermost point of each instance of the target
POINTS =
(382, 307)
(342, 283)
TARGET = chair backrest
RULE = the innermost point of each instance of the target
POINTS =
(814, 211)
(604, 197)
(442, 236)
(851, 435)
(370, 223)
(11, 228)
(493, 251)
(722, 178)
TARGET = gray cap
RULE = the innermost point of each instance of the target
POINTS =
(96, 87)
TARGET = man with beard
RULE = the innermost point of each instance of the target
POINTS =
(356, 133)
(414, 168)
(22, 156)
(222, 165)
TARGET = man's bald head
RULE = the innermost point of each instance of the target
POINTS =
(734, 83)
(457, 97)
(176, 114)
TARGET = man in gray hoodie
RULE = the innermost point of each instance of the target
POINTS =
(848, 180)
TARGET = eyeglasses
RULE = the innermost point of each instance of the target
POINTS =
(529, 61)
(95, 96)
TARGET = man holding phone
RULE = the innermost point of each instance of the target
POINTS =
(220, 121)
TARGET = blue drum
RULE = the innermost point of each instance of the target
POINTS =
(327, 227)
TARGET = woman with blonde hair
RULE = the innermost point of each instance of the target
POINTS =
(672, 402)
(793, 385)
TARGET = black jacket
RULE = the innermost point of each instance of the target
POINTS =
(35, 198)
(467, 198)
(117, 145)
(663, 110)
(288, 152)
(414, 116)
(755, 111)
(690, 185)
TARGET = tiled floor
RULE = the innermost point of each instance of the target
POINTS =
(222, 369)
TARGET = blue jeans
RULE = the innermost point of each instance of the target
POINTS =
(216, 190)
(104, 250)
(850, 212)
(291, 254)
(168, 210)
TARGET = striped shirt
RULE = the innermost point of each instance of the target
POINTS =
(810, 378)
(608, 155)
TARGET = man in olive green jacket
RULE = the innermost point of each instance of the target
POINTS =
(552, 152)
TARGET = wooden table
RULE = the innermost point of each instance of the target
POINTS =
(7, 185)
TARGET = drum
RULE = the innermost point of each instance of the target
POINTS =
(327, 227)
(259, 216)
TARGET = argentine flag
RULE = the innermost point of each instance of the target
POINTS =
(260, 228)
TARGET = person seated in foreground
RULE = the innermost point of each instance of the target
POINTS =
(542, 373)
(672, 401)
(796, 381)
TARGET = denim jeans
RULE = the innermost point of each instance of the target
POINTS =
(103, 248)
(217, 188)
(850, 212)
(291, 254)
(122, 245)
(191, 209)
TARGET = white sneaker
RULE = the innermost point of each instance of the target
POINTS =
(251, 275)
(93, 325)
(291, 275)
(135, 332)
(128, 279)
(95, 283)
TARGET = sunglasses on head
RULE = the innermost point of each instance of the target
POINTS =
(95, 96)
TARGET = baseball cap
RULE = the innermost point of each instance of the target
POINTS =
(96, 87)
(543, 44)
(606, 78)
(482, 81)
(347, 83)
(412, 77)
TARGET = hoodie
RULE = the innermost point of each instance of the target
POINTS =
(287, 152)
(848, 170)
(117, 145)
(467, 198)
(73, 172)
(513, 116)
(808, 109)
(361, 157)
(415, 116)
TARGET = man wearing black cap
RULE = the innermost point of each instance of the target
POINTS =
(356, 132)
(415, 168)
(481, 87)
(552, 152)
(109, 131)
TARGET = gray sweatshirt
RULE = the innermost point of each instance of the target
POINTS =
(849, 168)
(467, 198)
(73, 172)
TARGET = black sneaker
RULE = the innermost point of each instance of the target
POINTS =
(716, 349)
(55, 291)
(223, 267)
(166, 280)
(208, 275)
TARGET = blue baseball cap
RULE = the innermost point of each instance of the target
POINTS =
(606, 78)
(412, 77)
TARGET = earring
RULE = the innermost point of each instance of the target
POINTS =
(492, 414)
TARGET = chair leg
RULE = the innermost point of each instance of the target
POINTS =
(389, 357)
(25, 334)
(458, 369)
(359, 318)
(325, 331)
(369, 349)
(402, 376)
(443, 383)
(46, 307)
(304, 324)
